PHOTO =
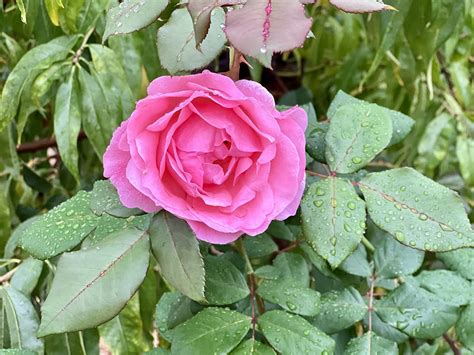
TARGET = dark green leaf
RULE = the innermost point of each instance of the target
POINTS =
(357, 134)
(225, 284)
(333, 219)
(105, 199)
(371, 344)
(465, 327)
(290, 334)
(30, 65)
(293, 268)
(268, 272)
(177, 251)
(253, 347)
(417, 312)
(78, 300)
(316, 141)
(385, 330)
(35, 181)
(260, 246)
(356, 263)
(461, 260)
(340, 310)
(448, 285)
(132, 15)
(61, 229)
(417, 211)
(108, 225)
(295, 299)
(211, 331)
(280, 230)
(86, 342)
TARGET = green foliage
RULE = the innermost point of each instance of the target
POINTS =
(379, 258)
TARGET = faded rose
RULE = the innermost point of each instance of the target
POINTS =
(213, 152)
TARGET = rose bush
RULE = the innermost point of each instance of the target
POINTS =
(213, 152)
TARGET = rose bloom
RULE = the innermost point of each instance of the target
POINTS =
(213, 152)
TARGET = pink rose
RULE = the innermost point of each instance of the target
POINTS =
(213, 152)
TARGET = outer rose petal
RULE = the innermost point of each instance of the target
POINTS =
(115, 167)
(203, 232)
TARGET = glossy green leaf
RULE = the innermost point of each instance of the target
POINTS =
(340, 310)
(267, 272)
(67, 123)
(316, 141)
(105, 199)
(291, 334)
(27, 275)
(356, 263)
(69, 14)
(132, 15)
(60, 229)
(465, 327)
(108, 224)
(371, 344)
(96, 123)
(417, 312)
(260, 246)
(448, 285)
(293, 268)
(124, 334)
(291, 297)
(417, 211)
(401, 124)
(30, 65)
(253, 347)
(177, 47)
(85, 342)
(78, 300)
(225, 284)
(357, 134)
(211, 331)
(280, 230)
(385, 330)
(391, 258)
(333, 219)
(177, 251)
(465, 154)
(21, 320)
(461, 260)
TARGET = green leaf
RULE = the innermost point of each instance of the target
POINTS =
(416, 210)
(67, 123)
(96, 123)
(105, 199)
(385, 330)
(108, 224)
(177, 46)
(280, 230)
(357, 134)
(295, 299)
(340, 310)
(86, 342)
(30, 65)
(291, 334)
(132, 15)
(211, 331)
(333, 219)
(78, 300)
(371, 344)
(225, 284)
(21, 320)
(356, 263)
(5, 220)
(177, 251)
(124, 333)
(293, 268)
(253, 347)
(61, 229)
(267, 272)
(448, 285)
(461, 260)
(21, 7)
(260, 246)
(68, 15)
(465, 154)
(35, 181)
(401, 124)
(465, 327)
(316, 141)
(417, 312)
(172, 310)
(392, 259)
(27, 275)
(14, 239)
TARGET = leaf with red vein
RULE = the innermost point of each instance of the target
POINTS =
(262, 27)
(360, 6)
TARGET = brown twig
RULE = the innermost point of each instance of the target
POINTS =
(6, 277)
(42, 144)
(234, 64)
(309, 172)
(452, 344)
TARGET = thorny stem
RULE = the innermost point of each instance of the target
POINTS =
(452, 344)
(371, 308)
(235, 58)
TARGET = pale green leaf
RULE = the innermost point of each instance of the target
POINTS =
(448, 285)
(333, 219)
(461, 260)
(417, 211)
(27, 275)
(105, 199)
(465, 327)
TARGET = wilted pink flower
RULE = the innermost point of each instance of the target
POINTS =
(213, 152)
